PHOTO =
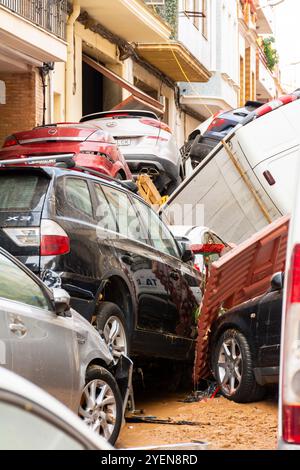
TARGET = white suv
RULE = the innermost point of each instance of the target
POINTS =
(146, 143)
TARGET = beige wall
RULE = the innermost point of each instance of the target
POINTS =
(162, 89)
(58, 84)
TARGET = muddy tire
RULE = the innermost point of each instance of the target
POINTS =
(111, 324)
(233, 368)
(101, 405)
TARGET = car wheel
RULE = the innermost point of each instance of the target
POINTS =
(173, 185)
(111, 324)
(101, 403)
(233, 368)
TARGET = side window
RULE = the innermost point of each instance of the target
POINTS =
(16, 285)
(104, 215)
(160, 236)
(125, 214)
(78, 197)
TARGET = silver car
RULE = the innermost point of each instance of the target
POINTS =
(31, 419)
(147, 144)
(51, 345)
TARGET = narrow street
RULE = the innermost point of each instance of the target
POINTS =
(149, 227)
(224, 424)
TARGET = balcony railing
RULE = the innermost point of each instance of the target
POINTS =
(50, 15)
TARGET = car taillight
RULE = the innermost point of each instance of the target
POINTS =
(154, 123)
(54, 240)
(268, 107)
(218, 122)
(291, 354)
(10, 141)
(207, 248)
(23, 236)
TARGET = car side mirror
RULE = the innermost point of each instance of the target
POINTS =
(187, 253)
(61, 301)
(277, 281)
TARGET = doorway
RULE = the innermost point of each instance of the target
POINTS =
(92, 90)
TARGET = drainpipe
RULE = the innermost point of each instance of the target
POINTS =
(69, 80)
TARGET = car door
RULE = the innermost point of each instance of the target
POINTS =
(268, 328)
(179, 278)
(142, 266)
(43, 346)
(80, 267)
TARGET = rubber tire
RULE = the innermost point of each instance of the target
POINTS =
(109, 309)
(249, 390)
(173, 185)
(97, 372)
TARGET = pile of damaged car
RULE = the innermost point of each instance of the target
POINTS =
(109, 292)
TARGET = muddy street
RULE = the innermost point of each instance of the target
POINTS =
(221, 423)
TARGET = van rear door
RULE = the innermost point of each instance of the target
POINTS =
(22, 196)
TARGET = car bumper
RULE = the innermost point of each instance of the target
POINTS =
(139, 162)
(266, 375)
(282, 445)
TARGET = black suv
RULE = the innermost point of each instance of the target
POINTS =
(103, 244)
(245, 345)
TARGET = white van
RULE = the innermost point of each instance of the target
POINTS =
(289, 388)
(248, 180)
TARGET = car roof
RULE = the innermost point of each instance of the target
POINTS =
(51, 171)
(16, 385)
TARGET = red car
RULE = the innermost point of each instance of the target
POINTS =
(92, 147)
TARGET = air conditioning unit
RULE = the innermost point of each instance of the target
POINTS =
(155, 2)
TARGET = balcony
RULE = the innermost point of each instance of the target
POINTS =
(175, 61)
(265, 19)
(50, 15)
(248, 13)
(265, 83)
(220, 93)
(31, 32)
(129, 19)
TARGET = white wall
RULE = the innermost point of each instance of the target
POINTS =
(221, 53)
(227, 39)
(192, 37)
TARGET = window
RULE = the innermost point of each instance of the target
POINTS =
(204, 19)
(21, 429)
(160, 236)
(78, 196)
(196, 11)
(104, 215)
(128, 223)
(16, 285)
(32, 187)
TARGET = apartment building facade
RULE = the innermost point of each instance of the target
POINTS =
(31, 41)
(182, 59)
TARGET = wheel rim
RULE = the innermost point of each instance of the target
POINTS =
(230, 366)
(115, 337)
(98, 408)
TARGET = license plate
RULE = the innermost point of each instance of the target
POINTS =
(124, 141)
